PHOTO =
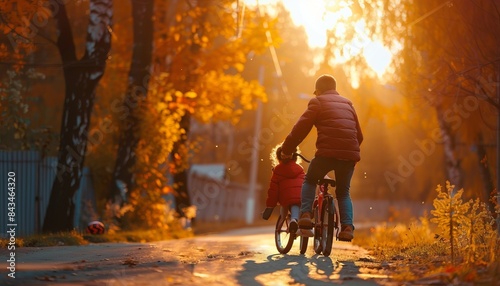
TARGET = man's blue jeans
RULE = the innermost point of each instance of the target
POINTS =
(318, 168)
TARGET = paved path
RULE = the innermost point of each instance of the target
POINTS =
(240, 257)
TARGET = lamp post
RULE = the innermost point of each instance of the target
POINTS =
(252, 186)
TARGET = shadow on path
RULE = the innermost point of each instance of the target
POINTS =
(287, 269)
(290, 269)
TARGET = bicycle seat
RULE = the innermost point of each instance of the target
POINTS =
(327, 180)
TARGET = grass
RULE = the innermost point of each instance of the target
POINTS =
(138, 236)
(410, 249)
(459, 244)
(77, 238)
(42, 240)
(414, 251)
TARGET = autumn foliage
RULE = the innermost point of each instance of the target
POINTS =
(206, 84)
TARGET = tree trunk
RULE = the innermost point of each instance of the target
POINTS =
(138, 84)
(484, 168)
(452, 161)
(81, 79)
(498, 152)
(179, 156)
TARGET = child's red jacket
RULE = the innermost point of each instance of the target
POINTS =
(286, 184)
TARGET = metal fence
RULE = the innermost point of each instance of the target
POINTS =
(34, 176)
(217, 200)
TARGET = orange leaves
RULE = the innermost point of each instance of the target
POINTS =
(201, 44)
(21, 22)
(216, 96)
(224, 97)
(239, 67)
(160, 129)
(190, 94)
(461, 273)
(204, 38)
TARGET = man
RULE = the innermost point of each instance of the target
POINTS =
(339, 138)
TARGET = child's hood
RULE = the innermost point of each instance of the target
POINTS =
(289, 170)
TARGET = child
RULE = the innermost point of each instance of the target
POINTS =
(286, 185)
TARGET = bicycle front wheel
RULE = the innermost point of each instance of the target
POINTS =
(282, 238)
(327, 226)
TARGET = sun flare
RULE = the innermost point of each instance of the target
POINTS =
(319, 16)
(377, 57)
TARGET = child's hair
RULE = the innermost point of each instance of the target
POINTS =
(275, 155)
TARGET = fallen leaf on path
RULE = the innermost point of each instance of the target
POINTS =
(366, 259)
(245, 253)
(45, 278)
(130, 262)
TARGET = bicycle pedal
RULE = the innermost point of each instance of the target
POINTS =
(305, 232)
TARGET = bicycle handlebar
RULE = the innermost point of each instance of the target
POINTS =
(303, 158)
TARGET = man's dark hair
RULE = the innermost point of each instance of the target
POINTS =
(324, 83)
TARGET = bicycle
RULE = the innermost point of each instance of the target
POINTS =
(326, 222)
(326, 218)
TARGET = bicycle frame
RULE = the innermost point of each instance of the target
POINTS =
(324, 226)
(325, 220)
(321, 196)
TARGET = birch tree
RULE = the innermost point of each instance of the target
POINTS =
(81, 79)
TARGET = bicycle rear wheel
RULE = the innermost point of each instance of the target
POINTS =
(328, 224)
(282, 238)
(318, 247)
(304, 240)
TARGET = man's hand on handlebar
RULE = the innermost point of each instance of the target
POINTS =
(286, 156)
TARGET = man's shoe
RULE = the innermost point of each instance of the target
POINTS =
(293, 226)
(305, 221)
(346, 233)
